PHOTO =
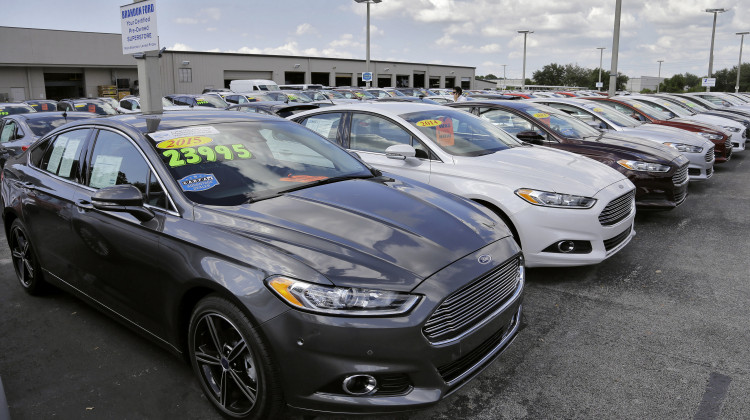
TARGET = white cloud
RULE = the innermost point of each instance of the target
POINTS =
(305, 28)
(180, 47)
(186, 21)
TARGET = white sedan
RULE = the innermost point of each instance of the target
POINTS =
(564, 209)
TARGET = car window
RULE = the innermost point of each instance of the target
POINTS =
(8, 131)
(372, 133)
(561, 123)
(63, 157)
(505, 120)
(327, 125)
(227, 164)
(460, 133)
(180, 100)
(115, 160)
(125, 103)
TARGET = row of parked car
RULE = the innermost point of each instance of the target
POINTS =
(378, 246)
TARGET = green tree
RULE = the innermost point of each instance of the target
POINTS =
(551, 74)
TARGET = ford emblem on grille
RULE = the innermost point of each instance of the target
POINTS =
(484, 259)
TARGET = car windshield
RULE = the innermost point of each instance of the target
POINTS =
(666, 106)
(100, 108)
(460, 133)
(614, 116)
(647, 109)
(298, 96)
(44, 124)
(164, 102)
(43, 106)
(561, 123)
(230, 164)
(9, 109)
(210, 101)
(692, 105)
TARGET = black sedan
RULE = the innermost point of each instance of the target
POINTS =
(18, 131)
(287, 271)
(659, 172)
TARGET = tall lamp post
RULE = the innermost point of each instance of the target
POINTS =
(367, 63)
(523, 75)
(658, 83)
(742, 40)
(713, 34)
(601, 54)
(505, 83)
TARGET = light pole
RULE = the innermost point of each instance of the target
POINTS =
(505, 84)
(615, 50)
(742, 40)
(601, 54)
(713, 34)
(367, 63)
(658, 82)
(523, 75)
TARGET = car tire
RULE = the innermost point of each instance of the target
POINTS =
(232, 362)
(25, 261)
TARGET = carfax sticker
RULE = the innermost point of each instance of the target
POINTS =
(198, 182)
(181, 142)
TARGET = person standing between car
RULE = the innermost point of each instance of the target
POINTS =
(458, 94)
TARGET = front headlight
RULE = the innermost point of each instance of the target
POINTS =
(685, 148)
(349, 301)
(550, 199)
(711, 136)
(732, 129)
(636, 165)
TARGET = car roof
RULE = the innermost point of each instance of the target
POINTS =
(392, 108)
(178, 119)
(43, 115)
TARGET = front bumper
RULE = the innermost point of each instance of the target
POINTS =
(316, 352)
(541, 228)
(701, 165)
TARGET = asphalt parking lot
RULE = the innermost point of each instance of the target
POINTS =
(659, 331)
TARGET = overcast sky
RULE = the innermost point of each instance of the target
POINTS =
(476, 33)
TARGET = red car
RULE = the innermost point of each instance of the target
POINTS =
(642, 112)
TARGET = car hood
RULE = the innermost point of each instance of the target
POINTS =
(378, 232)
(663, 134)
(542, 168)
(635, 146)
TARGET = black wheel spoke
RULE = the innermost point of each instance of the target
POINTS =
(223, 391)
(237, 351)
(249, 391)
(206, 359)
(214, 333)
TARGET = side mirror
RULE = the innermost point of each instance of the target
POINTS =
(400, 152)
(122, 198)
(531, 137)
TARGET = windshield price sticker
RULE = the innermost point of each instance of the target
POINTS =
(429, 123)
(541, 115)
(444, 132)
(598, 110)
(181, 142)
(199, 130)
(192, 156)
(303, 178)
(92, 108)
(198, 182)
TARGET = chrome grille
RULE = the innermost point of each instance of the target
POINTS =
(680, 196)
(617, 209)
(680, 176)
(728, 142)
(710, 154)
(465, 307)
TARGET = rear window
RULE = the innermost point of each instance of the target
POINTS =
(10, 109)
(43, 125)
